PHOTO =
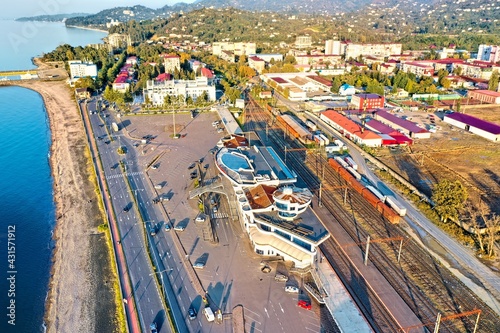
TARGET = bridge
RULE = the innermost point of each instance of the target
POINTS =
(215, 186)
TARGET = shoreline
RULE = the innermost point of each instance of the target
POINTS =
(80, 261)
(86, 28)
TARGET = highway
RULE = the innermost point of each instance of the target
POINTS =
(121, 170)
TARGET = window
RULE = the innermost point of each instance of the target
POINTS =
(259, 251)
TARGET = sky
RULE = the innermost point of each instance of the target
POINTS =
(20, 8)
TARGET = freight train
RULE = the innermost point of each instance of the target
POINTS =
(371, 198)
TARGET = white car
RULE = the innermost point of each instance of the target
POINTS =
(199, 265)
(179, 228)
(292, 289)
(200, 218)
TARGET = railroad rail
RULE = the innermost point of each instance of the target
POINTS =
(426, 286)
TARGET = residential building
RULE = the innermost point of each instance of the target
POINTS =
(351, 129)
(333, 47)
(485, 96)
(157, 91)
(268, 57)
(208, 74)
(347, 90)
(303, 42)
(367, 101)
(474, 125)
(327, 60)
(171, 63)
(419, 68)
(490, 53)
(273, 211)
(256, 63)
(236, 48)
(354, 50)
(79, 69)
(227, 56)
(118, 41)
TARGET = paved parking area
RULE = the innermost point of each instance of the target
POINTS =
(232, 274)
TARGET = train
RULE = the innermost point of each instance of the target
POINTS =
(312, 126)
(396, 205)
(387, 212)
(351, 163)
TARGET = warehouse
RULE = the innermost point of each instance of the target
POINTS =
(405, 126)
(474, 125)
(485, 96)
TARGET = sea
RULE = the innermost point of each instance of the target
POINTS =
(27, 210)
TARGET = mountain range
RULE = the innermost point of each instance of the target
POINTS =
(394, 16)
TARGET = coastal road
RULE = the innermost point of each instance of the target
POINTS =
(132, 229)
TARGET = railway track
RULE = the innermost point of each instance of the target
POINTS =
(426, 286)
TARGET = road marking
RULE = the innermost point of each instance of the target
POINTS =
(267, 313)
(281, 308)
(149, 300)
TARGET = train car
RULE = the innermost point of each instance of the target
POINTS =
(377, 193)
(334, 164)
(319, 140)
(354, 173)
(390, 214)
(371, 198)
(325, 139)
(312, 126)
(351, 162)
(341, 161)
(394, 204)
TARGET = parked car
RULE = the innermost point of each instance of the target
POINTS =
(292, 289)
(179, 228)
(200, 218)
(199, 265)
(281, 278)
(153, 328)
(167, 227)
(304, 304)
(191, 313)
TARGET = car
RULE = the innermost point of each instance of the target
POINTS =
(292, 289)
(200, 218)
(167, 227)
(126, 209)
(281, 278)
(152, 232)
(206, 166)
(304, 304)
(191, 313)
(192, 165)
(199, 265)
(153, 328)
(179, 228)
(194, 173)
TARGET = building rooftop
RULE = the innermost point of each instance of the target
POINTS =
(487, 92)
(406, 124)
(475, 122)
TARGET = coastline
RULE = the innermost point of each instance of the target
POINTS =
(86, 28)
(80, 295)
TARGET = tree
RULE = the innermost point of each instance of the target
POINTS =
(449, 198)
(493, 82)
(85, 82)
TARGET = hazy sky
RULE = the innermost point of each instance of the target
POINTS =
(21, 8)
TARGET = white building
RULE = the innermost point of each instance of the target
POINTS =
(79, 69)
(269, 205)
(489, 53)
(171, 63)
(157, 91)
(236, 48)
(303, 42)
(333, 47)
(383, 49)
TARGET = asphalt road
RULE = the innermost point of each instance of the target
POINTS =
(147, 296)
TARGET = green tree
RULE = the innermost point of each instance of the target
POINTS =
(493, 82)
(449, 198)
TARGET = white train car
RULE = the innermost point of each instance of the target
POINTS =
(354, 173)
(351, 162)
(319, 140)
(394, 204)
(312, 126)
(325, 139)
(377, 193)
(341, 161)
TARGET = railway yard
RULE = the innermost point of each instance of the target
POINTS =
(425, 286)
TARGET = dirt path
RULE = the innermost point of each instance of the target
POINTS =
(81, 297)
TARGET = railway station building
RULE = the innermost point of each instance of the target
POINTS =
(273, 211)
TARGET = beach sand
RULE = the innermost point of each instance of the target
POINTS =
(81, 296)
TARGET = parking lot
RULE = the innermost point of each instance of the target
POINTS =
(229, 270)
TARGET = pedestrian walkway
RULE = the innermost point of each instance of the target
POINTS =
(219, 216)
(345, 313)
(119, 175)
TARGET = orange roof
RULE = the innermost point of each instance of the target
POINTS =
(260, 196)
(349, 125)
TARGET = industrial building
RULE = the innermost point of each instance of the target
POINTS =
(351, 130)
(405, 126)
(367, 101)
(474, 125)
(485, 96)
(389, 135)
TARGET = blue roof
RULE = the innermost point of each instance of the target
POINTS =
(475, 122)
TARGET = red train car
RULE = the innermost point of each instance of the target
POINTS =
(371, 198)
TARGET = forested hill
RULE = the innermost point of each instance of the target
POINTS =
(51, 18)
(392, 17)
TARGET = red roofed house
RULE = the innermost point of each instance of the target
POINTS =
(256, 63)
(370, 101)
(350, 129)
(208, 74)
(164, 77)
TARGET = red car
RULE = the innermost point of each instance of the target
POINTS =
(304, 304)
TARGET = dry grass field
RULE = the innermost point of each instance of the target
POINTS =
(453, 154)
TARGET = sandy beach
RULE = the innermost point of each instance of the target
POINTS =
(81, 296)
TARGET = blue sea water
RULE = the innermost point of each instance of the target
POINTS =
(26, 198)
